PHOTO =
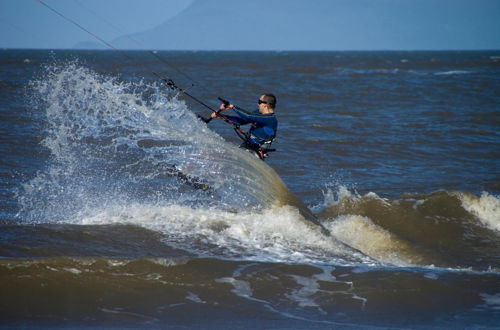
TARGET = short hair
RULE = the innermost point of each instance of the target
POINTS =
(270, 99)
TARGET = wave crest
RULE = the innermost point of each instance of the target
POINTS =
(445, 228)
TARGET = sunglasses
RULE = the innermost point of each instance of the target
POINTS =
(262, 102)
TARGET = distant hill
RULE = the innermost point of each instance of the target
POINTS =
(326, 25)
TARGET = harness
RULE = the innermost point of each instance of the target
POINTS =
(261, 150)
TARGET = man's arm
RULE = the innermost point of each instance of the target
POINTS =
(252, 117)
(238, 120)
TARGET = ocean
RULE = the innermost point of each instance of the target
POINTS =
(380, 207)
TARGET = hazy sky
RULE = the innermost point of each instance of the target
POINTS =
(28, 24)
(243, 24)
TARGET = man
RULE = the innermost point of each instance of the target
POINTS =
(264, 124)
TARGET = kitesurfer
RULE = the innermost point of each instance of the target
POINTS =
(263, 121)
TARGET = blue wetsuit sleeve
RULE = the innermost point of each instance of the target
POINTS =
(238, 120)
(252, 117)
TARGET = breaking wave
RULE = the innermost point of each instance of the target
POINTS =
(446, 228)
(133, 153)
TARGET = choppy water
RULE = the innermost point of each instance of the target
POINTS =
(395, 154)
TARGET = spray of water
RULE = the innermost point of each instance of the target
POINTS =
(111, 140)
(117, 150)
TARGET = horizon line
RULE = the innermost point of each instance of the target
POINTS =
(255, 50)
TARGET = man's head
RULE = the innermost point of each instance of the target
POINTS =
(267, 103)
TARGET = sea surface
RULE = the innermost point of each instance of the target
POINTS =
(380, 209)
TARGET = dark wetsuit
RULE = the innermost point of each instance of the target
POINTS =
(264, 126)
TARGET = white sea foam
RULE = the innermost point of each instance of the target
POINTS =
(167, 262)
(240, 288)
(277, 234)
(309, 286)
(194, 298)
(72, 270)
(451, 72)
(491, 301)
(333, 195)
(310, 289)
(486, 208)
